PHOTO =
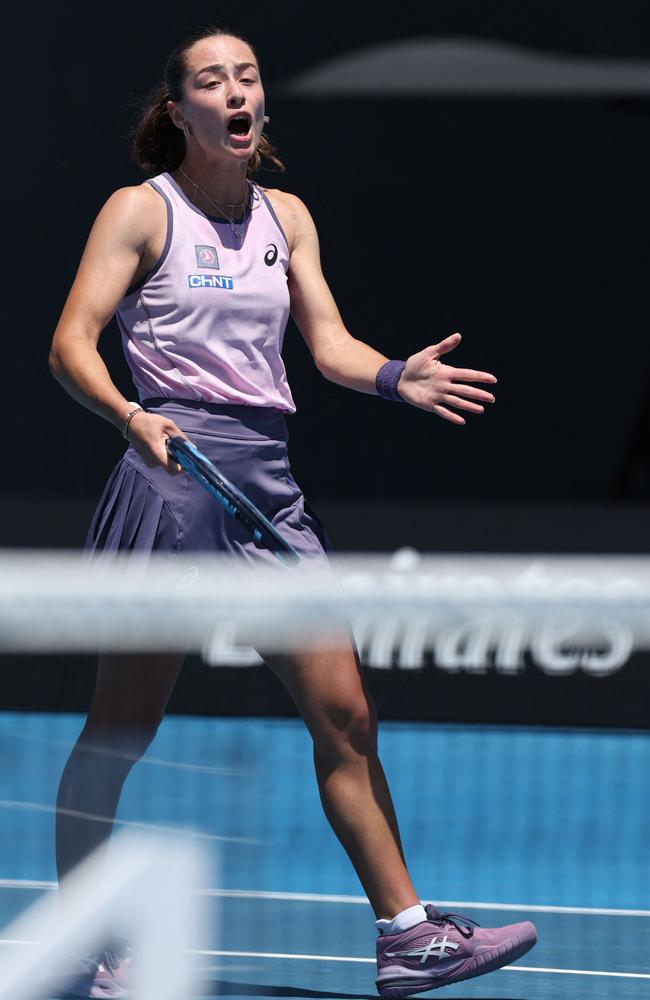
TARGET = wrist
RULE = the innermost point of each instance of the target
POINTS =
(387, 379)
(126, 423)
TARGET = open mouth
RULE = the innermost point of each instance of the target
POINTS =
(240, 124)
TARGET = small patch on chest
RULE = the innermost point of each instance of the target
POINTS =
(206, 256)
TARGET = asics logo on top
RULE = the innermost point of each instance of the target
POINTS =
(271, 254)
(206, 256)
(435, 947)
(210, 281)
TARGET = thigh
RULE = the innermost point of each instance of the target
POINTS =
(133, 689)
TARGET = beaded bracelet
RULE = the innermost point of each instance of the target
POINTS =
(387, 378)
(129, 417)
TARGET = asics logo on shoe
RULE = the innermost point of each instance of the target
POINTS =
(435, 947)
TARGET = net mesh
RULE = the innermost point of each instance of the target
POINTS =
(499, 821)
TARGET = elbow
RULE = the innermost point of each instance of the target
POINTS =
(56, 360)
(54, 363)
(59, 353)
(328, 360)
(331, 351)
(325, 367)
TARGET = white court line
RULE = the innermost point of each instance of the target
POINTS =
(441, 904)
(371, 961)
(307, 897)
(273, 954)
(339, 958)
(578, 972)
(157, 761)
(127, 823)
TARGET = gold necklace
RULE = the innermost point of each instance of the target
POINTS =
(222, 205)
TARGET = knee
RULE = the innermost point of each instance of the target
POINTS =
(349, 730)
(121, 741)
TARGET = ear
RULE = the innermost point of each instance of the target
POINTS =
(176, 115)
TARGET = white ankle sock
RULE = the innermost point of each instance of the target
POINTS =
(407, 918)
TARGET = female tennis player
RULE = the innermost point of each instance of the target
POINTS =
(202, 267)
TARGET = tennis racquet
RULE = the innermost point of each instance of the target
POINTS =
(236, 503)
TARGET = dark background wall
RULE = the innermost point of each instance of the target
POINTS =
(522, 223)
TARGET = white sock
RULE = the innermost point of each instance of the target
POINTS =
(407, 918)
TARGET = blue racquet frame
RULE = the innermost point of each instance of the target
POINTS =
(235, 502)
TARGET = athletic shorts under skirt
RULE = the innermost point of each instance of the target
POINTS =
(147, 510)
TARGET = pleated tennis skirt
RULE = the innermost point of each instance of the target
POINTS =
(147, 510)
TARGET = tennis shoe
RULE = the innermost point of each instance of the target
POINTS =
(446, 948)
(105, 974)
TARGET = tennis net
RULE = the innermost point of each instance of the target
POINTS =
(151, 893)
(499, 821)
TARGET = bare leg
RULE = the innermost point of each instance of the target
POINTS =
(129, 701)
(330, 693)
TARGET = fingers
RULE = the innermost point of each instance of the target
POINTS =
(462, 404)
(469, 392)
(466, 397)
(173, 430)
(447, 344)
(442, 411)
(171, 466)
(167, 462)
(170, 429)
(469, 375)
(463, 397)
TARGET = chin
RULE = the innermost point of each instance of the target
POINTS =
(242, 150)
(227, 154)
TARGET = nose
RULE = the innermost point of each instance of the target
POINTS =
(235, 94)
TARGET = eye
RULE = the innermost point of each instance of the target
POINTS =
(211, 85)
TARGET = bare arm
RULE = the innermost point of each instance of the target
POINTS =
(425, 382)
(337, 354)
(117, 251)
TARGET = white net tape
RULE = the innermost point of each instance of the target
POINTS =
(58, 602)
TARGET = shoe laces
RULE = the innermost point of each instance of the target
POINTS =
(464, 925)
(110, 958)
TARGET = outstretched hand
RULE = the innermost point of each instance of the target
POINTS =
(431, 385)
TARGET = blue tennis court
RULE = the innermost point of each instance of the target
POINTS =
(502, 824)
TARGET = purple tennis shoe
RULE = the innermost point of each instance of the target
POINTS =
(446, 949)
(106, 974)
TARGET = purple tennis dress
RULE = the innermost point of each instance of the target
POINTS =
(202, 335)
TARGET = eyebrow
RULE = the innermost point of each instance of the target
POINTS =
(219, 67)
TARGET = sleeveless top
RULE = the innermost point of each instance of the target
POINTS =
(208, 320)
